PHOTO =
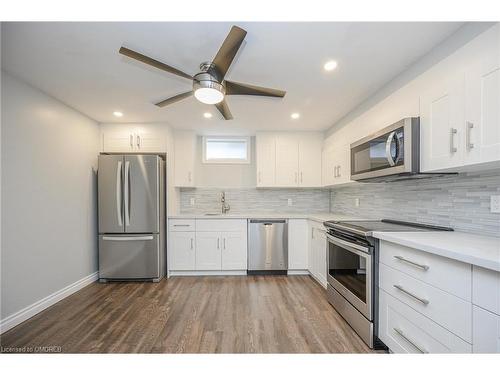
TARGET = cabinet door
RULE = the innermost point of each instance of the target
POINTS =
(182, 251)
(118, 140)
(328, 167)
(343, 158)
(234, 250)
(310, 160)
(184, 158)
(287, 160)
(320, 239)
(442, 124)
(486, 331)
(266, 159)
(150, 140)
(208, 251)
(298, 244)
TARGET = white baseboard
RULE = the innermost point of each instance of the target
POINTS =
(18, 317)
(207, 273)
(298, 272)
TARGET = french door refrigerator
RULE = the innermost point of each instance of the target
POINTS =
(131, 207)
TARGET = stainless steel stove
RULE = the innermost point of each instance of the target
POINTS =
(352, 262)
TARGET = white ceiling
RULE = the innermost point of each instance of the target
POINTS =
(79, 64)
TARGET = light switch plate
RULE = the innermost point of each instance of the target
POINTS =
(191, 201)
(495, 204)
(290, 202)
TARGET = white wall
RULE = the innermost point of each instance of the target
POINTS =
(49, 161)
(224, 175)
(400, 97)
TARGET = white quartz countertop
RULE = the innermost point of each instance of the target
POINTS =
(482, 251)
(320, 217)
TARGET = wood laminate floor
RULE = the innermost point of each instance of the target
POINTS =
(230, 314)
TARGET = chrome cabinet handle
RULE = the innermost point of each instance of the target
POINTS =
(295, 177)
(138, 141)
(189, 176)
(218, 243)
(422, 266)
(470, 126)
(335, 171)
(191, 243)
(300, 177)
(338, 170)
(401, 333)
(131, 238)
(421, 300)
(119, 193)
(224, 243)
(131, 140)
(453, 149)
(181, 225)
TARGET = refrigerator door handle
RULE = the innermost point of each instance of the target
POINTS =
(127, 193)
(119, 193)
(127, 238)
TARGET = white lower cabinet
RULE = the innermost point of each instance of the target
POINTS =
(404, 330)
(207, 245)
(234, 251)
(208, 251)
(486, 325)
(298, 244)
(182, 251)
(317, 253)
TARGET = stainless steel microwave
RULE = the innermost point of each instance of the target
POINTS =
(391, 153)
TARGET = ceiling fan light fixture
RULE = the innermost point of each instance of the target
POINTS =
(207, 90)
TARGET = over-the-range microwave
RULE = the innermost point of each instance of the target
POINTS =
(392, 153)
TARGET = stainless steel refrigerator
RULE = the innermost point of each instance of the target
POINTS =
(131, 206)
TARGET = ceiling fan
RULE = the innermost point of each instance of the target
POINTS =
(209, 85)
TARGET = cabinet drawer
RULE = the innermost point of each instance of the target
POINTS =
(404, 330)
(451, 312)
(181, 225)
(486, 289)
(446, 274)
(221, 225)
(486, 331)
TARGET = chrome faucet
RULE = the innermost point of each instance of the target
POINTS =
(225, 207)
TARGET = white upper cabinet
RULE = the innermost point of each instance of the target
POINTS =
(184, 158)
(460, 112)
(131, 138)
(266, 159)
(310, 160)
(442, 124)
(289, 159)
(336, 165)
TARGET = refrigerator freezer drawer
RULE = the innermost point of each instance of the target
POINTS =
(129, 256)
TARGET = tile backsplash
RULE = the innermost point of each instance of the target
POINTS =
(460, 201)
(251, 200)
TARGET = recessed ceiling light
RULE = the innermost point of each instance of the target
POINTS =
(295, 115)
(118, 114)
(207, 115)
(330, 65)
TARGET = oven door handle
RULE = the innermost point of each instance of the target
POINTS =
(354, 248)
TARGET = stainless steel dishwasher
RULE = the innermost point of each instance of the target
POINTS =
(267, 246)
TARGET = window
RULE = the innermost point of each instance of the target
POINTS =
(228, 150)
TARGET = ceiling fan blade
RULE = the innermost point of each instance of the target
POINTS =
(224, 110)
(235, 88)
(174, 99)
(228, 50)
(155, 63)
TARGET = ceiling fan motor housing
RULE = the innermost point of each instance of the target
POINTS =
(207, 80)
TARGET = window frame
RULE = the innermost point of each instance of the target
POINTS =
(206, 138)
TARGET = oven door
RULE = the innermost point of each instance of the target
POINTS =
(350, 273)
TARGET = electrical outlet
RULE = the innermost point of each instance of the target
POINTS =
(356, 202)
(290, 202)
(495, 204)
(191, 201)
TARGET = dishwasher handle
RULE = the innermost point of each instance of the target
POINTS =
(272, 221)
